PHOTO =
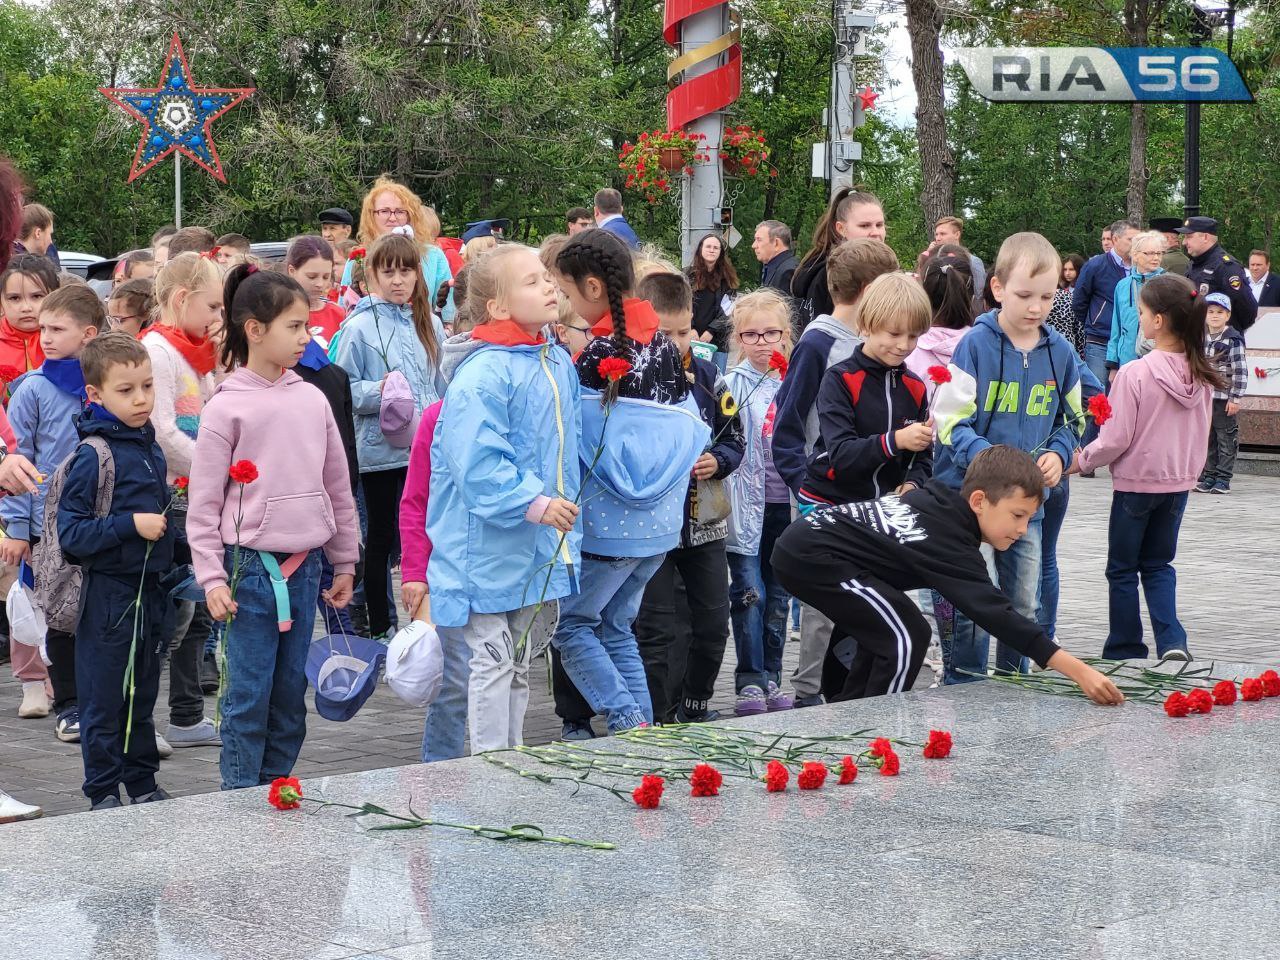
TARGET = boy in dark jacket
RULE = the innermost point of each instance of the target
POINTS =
(133, 541)
(855, 563)
(681, 662)
(875, 435)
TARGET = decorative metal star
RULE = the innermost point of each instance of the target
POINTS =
(176, 115)
(868, 98)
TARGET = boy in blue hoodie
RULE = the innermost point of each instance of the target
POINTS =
(1015, 381)
(133, 542)
(43, 410)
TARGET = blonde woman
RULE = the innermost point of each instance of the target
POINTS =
(391, 207)
(1145, 253)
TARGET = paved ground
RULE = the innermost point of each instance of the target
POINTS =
(1229, 586)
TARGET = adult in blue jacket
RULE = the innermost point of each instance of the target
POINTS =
(1126, 326)
(1093, 299)
(609, 217)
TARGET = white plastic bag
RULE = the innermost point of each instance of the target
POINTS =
(26, 622)
(415, 664)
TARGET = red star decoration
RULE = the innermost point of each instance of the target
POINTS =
(868, 98)
(176, 115)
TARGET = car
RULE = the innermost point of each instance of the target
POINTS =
(77, 263)
(270, 252)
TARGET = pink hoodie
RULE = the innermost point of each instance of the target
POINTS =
(415, 545)
(934, 349)
(302, 497)
(1158, 436)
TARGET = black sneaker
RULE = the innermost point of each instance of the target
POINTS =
(577, 731)
(67, 729)
(109, 802)
(696, 716)
(359, 619)
(155, 796)
(1204, 486)
(814, 701)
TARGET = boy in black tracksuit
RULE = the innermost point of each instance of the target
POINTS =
(133, 542)
(854, 562)
(682, 657)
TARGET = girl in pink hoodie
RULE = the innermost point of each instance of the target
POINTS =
(1156, 443)
(948, 280)
(260, 531)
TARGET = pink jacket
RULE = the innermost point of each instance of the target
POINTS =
(1158, 436)
(934, 349)
(415, 545)
(302, 497)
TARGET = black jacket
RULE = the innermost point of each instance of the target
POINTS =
(779, 272)
(719, 411)
(861, 404)
(111, 545)
(809, 287)
(926, 539)
(1216, 271)
(332, 381)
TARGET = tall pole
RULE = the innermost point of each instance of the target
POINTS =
(177, 190)
(1201, 30)
(844, 108)
(703, 189)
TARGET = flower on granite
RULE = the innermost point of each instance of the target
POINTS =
(1224, 693)
(812, 775)
(285, 793)
(1200, 700)
(1176, 705)
(848, 771)
(705, 780)
(1270, 683)
(881, 747)
(776, 776)
(649, 794)
(1251, 690)
(939, 745)
(884, 757)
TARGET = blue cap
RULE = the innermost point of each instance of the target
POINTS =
(483, 228)
(1219, 300)
(344, 672)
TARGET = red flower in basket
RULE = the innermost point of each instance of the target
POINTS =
(1200, 700)
(614, 368)
(649, 794)
(1176, 705)
(848, 771)
(939, 374)
(243, 471)
(812, 775)
(705, 781)
(1270, 683)
(1251, 690)
(1224, 693)
(778, 362)
(285, 793)
(939, 745)
(776, 776)
(1100, 408)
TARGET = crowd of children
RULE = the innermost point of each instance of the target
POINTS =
(536, 443)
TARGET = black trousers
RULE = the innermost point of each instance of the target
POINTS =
(61, 648)
(571, 705)
(891, 633)
(382, 491)
(682, 639)
(186, 646)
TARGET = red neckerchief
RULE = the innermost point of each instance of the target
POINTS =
(641, 318)
(505, 333)
(199, 353)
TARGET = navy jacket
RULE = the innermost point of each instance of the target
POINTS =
(622, 229)
(1093, 299)
(779, 272)
(111, 545)
(1216, 271)
(861, 404)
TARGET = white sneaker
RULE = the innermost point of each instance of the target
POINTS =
(162, 745)
(12, 810)
(202, 734)
(35, 701)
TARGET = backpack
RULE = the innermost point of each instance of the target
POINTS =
(57, 579)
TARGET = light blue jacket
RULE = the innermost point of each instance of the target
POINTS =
(376, 338)
(633, 496)
(1126, 325)
(508, 434)
(44, 420)
(755, 393)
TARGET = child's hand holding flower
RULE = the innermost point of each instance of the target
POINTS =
(561, 514)
(150, 526)
(916, 437)
(221, 606)
(705, 468)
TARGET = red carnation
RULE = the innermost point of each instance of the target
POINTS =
(1270, 683)
(614, 368)
(1200, 700)
(285, 793)
(357, 254)
(8, 373)
(1251, 690)
(776, 776)
(243, 471)
(881, 747)
(778, 362)
(1260, 373)
(848, 771)
(181, 483)
(332, 296)
(812, 775)
(889, 764)
(705, 781)
(1224, 693)
(939, 374)
(1176, 704)
(1100, 408)
(649, 794)
(939, 745)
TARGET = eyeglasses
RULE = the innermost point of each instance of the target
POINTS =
(752, 337)
(389, 213)
(117, 321)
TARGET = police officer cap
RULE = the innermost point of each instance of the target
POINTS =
(1166, 224)
(1199, 225)
(336, 215)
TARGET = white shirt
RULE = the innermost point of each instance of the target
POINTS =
(1257, 287)
(610, 217)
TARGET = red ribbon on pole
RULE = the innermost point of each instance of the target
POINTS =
(693, 98)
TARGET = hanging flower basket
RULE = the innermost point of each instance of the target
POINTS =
(745, 153)
(655, 156)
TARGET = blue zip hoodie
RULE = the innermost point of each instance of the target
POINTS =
(999, 394)
(44, 420)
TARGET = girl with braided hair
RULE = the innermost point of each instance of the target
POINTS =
(641, 434)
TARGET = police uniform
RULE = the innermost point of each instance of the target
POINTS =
(1216, 271)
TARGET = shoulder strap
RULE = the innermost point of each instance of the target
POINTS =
(106, 475)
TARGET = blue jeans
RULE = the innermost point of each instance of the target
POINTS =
(758, 606)
(596, 644)
(1055, 512)
(264, 708)
(1017, 573)
(1142, 540)
(1095, 358)
(445, 736)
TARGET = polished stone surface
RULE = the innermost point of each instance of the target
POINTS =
(1056, 830)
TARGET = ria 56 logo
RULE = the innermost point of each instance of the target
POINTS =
(1104, 74)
